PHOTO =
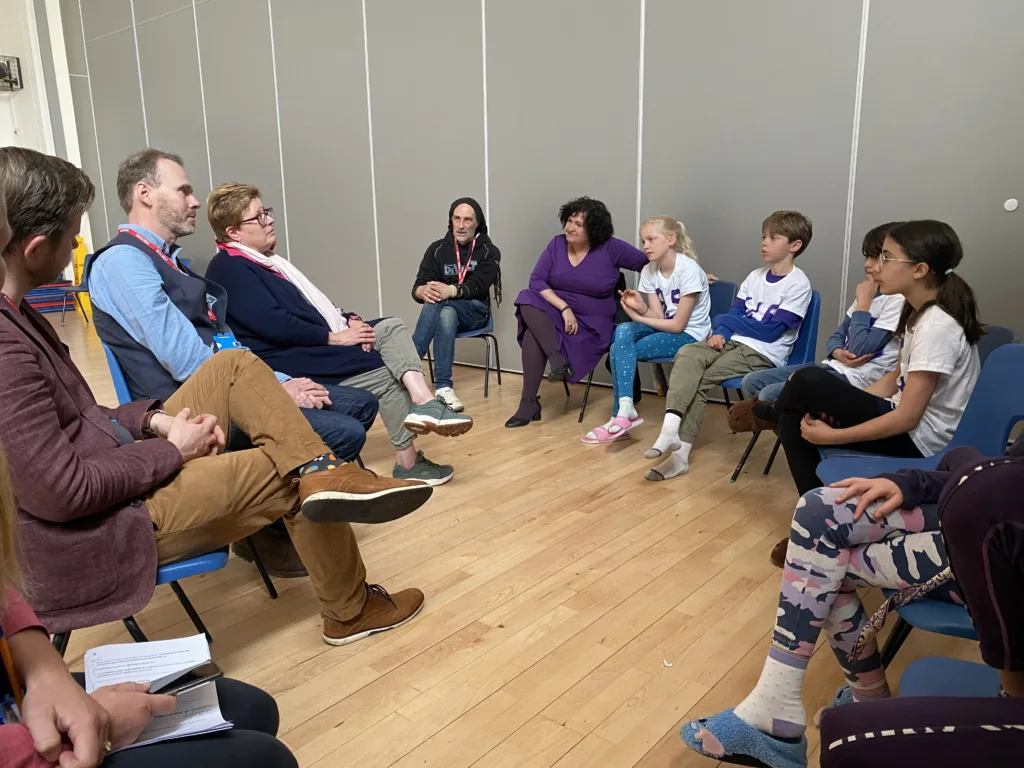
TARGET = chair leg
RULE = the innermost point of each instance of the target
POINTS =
(566, 385)
(359, 461)
(497, 356)
(60, 642)
(258, 562)
(744, 457)
(771, 459)
(135, 630)
(487, 363)
(81, 306)
(190, 610)
(900, 631)
(726, 393)
(63, 309)
(659, 376)
(430, 364)
(586, 396)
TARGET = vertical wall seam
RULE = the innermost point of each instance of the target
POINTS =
(280, 140)
(202, 100)
(138, 68)
(640, 121)
(95, 129)
(487, 160)
(373, 174)
(854, 144)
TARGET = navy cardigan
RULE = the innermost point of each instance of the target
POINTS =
(272, 318)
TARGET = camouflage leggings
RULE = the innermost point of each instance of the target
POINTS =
(830, 556)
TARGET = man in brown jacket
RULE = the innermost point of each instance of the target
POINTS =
(105, 494)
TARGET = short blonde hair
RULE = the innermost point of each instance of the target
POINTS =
(669, 226)
(10, 575)
(226, 206)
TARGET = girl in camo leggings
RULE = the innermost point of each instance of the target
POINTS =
(882, 532)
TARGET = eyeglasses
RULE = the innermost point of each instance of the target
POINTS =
(262, 218)
(883, 260)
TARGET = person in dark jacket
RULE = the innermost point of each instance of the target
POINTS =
(276, 311)
(454, 284)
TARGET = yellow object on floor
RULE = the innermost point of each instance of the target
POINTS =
(78, 264)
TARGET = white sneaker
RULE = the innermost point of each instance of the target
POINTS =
(450, 399)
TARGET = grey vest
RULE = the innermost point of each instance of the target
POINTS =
(145, 376)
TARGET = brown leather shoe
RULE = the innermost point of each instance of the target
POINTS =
(349, 494)
(276, 550)
(778, 555)
(380, 613)
(743, 417)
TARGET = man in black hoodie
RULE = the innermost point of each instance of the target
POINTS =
(454, 286)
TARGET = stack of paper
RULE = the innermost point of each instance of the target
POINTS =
(160, 663)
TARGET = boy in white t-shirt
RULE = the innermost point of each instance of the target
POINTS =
(862, 350)
(670, 309)
(757, 333)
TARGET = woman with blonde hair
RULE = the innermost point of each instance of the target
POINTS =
(670, 308)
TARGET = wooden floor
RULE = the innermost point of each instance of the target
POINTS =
(576, 613)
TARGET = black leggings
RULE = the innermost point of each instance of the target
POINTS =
(816, 391)
(250, 743)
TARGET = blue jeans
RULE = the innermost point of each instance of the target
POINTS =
(767, 385)
(636, 341)
(341, 425)
(439, 323)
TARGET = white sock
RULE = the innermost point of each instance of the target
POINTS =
(626, 408)
(668, 440)
(676, 463)
(775, 706)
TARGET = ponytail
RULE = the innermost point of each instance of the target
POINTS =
(669, 226)
(936, 244)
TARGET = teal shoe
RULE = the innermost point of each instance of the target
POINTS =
(425, 471)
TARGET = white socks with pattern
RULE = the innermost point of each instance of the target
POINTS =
(626, 408)
(775, 705)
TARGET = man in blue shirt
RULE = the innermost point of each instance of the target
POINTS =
(160, 319)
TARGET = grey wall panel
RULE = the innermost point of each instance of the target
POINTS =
(175, 110)
(50, 78)
(322, 86)
(737, 125)
(428, 132)
(118, 104)
(562, 122)
(940, 127)
(146, 10)
(239, 86)
(71, 21)
(101, 17)
(98, 217)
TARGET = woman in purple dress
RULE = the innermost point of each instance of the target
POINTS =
(566, 315)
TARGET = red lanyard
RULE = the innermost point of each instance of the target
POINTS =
(13, 305)
(170, 262)
(458, 262)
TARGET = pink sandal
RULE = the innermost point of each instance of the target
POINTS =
(615, 431)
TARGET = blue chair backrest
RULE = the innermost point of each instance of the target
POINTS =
(995, 405)
(805, 349)
(722, 292)
(120, 385)
(995, 337)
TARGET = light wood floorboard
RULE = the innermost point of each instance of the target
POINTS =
(576, 613)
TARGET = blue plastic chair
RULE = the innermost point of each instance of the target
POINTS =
(939, 676)
(991, 413)
(804, 352)
(487, 334)
(936, 616)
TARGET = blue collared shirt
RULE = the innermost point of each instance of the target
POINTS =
(126, 285)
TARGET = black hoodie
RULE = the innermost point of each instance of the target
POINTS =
(439, 263)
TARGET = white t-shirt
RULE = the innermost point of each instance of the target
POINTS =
(763, 299)
(885, 315)
(687, 278)
(937, 344)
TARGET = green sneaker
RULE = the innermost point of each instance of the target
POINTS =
(425, 471)
(436, 416)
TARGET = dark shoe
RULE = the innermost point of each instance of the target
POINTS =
(562, 373)
(380, 613)
(437, 417)
(348, 494)
(425, 471)
(276, 550)
(766, 416)
(778, 555)
(522, 421)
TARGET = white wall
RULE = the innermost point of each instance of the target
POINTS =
(23, 118)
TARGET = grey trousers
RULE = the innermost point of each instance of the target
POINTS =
(395, 346)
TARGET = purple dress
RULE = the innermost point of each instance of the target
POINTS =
(588, 289)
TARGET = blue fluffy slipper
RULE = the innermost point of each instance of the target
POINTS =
(743, 742)
(843, 696)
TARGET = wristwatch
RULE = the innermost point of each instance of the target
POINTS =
(147, 429)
